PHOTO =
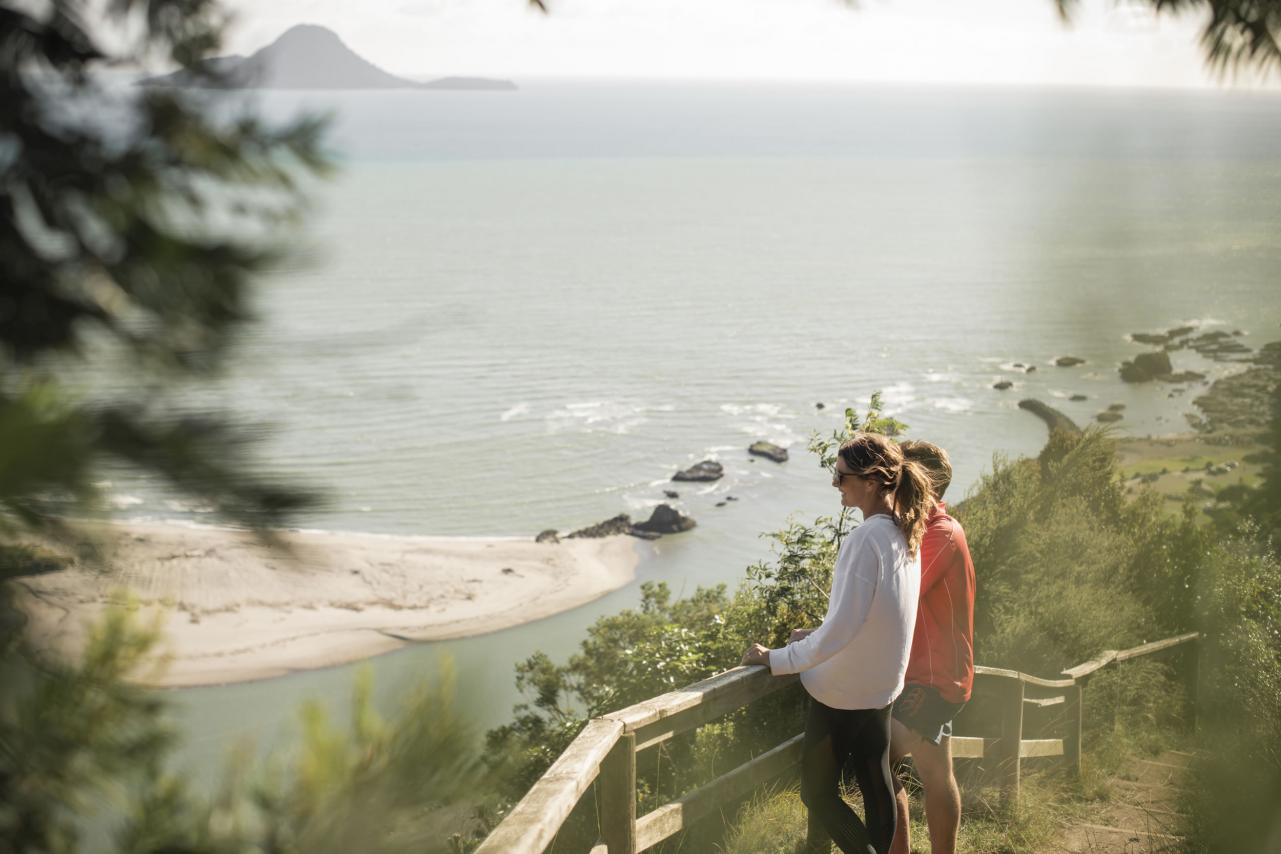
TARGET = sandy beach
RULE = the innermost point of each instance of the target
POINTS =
(232, 610)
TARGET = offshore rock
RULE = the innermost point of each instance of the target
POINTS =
(1069, 361)
(1109, 416)
(1003, 385)
(664, 520)
(705, 471)
(768, 450)
(1146, 367)
(1156, 339)
(1079, 397)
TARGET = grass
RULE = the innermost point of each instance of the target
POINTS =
(774, 822)
(1178, 468)
(1049, 802)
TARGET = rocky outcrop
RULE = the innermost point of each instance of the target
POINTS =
(1003, 385)
(1108, 416)
(1238, 407)
(1217, 345)
(547, 536)
(1053, 419)
(620, 524)
(768, 450)
(1068, 361)
(1182, 377)
(671, 493)
(1079, 397)
(664, 520)
(1146, 367)
(707, 470)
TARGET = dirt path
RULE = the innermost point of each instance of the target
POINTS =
(1142, 817)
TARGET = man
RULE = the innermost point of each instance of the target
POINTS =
(940, 669)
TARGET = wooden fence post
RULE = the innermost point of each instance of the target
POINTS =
(1007, 747)
(1074, 716)
(1118, 685)
(1192, 679)
(617, 793)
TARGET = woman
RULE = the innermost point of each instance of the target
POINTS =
(853, 664)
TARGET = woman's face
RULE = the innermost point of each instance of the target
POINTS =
(853, 489)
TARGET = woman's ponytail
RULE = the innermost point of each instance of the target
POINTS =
(913, 501)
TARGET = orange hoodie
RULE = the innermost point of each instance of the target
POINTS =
(943, 642)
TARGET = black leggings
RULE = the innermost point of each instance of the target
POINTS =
(857, 740)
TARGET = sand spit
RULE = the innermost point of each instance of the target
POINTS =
(233, 611)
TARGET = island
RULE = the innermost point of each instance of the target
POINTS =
(308, 56)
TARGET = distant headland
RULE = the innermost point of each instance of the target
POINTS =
(308, 56)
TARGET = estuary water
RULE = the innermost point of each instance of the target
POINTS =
(525, 310)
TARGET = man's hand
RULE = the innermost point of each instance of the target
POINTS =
(799, 634)
(756, 654)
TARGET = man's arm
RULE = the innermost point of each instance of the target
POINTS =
(938, 553)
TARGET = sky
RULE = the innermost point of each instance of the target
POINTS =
(967, 42)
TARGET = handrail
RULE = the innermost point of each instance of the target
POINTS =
(1156, 646)
(607, 748)
(534, 822)
(1087, 668)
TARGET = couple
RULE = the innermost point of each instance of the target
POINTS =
(901, 610)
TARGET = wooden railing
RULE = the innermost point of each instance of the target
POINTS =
(1005, 706)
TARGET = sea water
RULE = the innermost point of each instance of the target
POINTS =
(525, 310)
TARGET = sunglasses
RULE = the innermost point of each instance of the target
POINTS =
(838, 476)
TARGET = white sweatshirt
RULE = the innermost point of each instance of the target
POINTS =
(856, 659)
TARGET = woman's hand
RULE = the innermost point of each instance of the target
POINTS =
(756, 654)
(799, 634)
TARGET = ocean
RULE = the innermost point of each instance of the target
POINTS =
(525, 310)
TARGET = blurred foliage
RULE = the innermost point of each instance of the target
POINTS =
(76, 737)
(1263, 505)
(132, 220)
(1233, 806)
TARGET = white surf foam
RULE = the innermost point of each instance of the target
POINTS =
(515, 412)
